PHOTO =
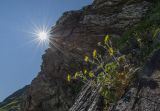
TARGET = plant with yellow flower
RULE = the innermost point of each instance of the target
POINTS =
(107, 75)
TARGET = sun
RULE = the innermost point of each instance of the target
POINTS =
(42, 36)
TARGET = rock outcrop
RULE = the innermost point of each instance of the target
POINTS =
(144, 94)
(75, 35)
(88, 100)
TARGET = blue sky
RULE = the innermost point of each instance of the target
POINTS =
(20, 59)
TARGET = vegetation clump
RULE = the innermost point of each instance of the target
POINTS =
(13, 105)
(142, 39)
(110, 74)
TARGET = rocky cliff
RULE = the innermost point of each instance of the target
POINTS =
(76, 34)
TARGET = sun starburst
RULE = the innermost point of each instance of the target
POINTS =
(41, 35)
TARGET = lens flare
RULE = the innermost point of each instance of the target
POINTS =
(41, 35)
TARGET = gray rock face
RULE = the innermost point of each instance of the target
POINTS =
(144, 94)
(75, 35)
(88, 100)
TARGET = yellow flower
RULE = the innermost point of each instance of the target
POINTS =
(85, 71)
(94, 53)
(69, 77)
(110, 50)
(106, 39)
(86, 58)
(91, 74)
(76, 75)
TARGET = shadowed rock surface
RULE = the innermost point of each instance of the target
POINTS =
(144, 95)
(75, 35)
